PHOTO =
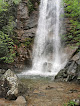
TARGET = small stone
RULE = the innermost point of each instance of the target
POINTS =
(36, 91)
(49, 88)
(21, 100)
(73, 90)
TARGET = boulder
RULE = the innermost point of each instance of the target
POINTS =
(71, 71)
(4, 88)
(2, 71)
(9, 85)
(61, 76)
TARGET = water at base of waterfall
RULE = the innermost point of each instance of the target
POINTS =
(48, 57)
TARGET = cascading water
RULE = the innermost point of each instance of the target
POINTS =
(48, 58)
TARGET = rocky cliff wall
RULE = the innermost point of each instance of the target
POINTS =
(26, 25)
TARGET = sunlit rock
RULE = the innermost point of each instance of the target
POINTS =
(12, 84)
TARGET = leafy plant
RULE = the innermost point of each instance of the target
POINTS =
(72, 13)
(3, 6)
(7, 23)
(71, 103)
(30, 6)
(7, 48)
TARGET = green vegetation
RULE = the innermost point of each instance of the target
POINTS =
(7, 48)
(28, 41)
(71, 103)
(72, 13)
(7, 25)
(31, 5)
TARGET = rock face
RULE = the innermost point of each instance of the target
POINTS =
(71, 72)
(26, 25)
(22, 15)
(9, 85)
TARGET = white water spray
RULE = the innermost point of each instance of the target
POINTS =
(48, 58)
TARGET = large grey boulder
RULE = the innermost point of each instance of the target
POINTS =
(10, 85)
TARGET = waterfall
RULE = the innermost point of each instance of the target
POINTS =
(48, 57)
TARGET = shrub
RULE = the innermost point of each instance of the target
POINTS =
(72, 12)
(7, 48)
(71, 103)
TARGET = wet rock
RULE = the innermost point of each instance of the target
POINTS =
(72, 71)
(47, 67)
(62, 75)
(69, 73)
(72, 68)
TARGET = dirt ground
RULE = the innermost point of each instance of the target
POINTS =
(53, 94)
(47, 93)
